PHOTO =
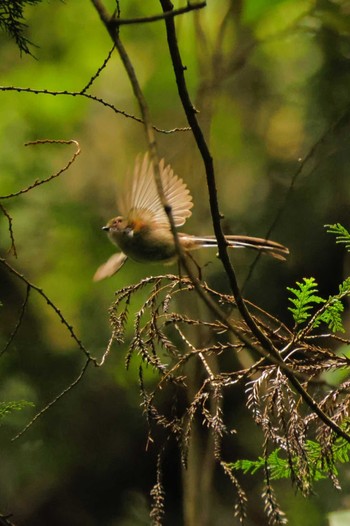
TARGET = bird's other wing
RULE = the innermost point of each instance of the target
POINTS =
(142, 193)
(110, 267)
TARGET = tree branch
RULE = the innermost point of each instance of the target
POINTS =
(267, 348)
(83, 93)
(70, 329)
(190, 111)
(53, 176)
(155, 18)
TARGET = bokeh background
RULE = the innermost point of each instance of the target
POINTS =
(271, 82)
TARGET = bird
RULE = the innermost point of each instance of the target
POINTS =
(142, 232)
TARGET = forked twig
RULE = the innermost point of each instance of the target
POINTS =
(19, 322)
(52, 305)
(56, 399)
(94, 98)
(39, 182)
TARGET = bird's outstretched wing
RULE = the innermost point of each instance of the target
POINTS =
(142, 194)
(110, 267)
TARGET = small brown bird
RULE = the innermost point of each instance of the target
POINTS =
(143, 232)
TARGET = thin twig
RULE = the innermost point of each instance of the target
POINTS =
(302, 163)
(114, 33)
(19, 322)
(268, 349)
(98, 72)
(56, 399)
(10, 228)
(193, 349)
(53, 176)
(70, 329)
(91, 97)
(107, 351)
(155, 18)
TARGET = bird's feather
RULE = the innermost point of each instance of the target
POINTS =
(110, 267)
(143, 195)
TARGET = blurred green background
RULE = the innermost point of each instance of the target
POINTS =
(271, 80)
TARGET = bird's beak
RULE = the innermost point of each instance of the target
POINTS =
(106, 228)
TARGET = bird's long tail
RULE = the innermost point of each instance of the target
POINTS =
(267, 246)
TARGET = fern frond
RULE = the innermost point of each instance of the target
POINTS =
(306, 297)
(344, 288)
(332, 316)
(280, 467)
(8, 407)
(331, 312)
(341, 233)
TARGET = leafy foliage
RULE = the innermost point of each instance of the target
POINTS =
(280, 466)
(306, 297)
(341, 233)
(17, 405)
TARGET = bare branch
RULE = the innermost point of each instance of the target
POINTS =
(155, 18)
(53, 176)
(70, 329)
(10, 229)
(91, 97)
(98, 72)
(19, 322)
(55, 400)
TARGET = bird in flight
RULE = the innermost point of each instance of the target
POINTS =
(142, 231)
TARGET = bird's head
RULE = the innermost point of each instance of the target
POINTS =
(117, 224)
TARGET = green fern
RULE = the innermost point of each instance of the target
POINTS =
(331, 316)
(341, 233)
(304, 300)
(344, 288)
(280, 467)
(331, 312)
(17, 405)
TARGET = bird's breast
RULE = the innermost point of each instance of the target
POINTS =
(147, 244)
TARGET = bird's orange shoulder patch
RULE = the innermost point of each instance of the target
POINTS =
(137, 224)
(140, 219)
